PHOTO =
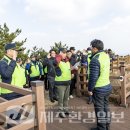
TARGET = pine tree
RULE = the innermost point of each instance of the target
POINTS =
(40, 52)
(8, 37)
(59, 45)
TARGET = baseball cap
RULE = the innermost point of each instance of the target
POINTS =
(12, 46)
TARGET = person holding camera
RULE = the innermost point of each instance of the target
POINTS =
(50, 62)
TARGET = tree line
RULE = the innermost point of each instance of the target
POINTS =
(6, 36)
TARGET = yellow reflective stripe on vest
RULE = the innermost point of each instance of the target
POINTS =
(65, 72)
(104, 61)
(34, 70)
(88, 59)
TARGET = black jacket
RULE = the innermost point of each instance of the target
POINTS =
(6, 70)
(51, 64)
(73, 59)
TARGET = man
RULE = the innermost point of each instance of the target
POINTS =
(89, 55)
(99, 85)
(73, 61)
(50, 62)
(111, 55)
(73, 57)
(34, 69)
(10, 72)
(62, 82)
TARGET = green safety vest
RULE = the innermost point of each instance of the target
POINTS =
(45, 70)
(42, 67)
(104, 61)
(34, 70)
(65, 72)
(88, 58)
(18, 77)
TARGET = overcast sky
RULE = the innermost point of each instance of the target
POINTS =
(74, 22)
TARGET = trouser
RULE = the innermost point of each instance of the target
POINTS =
(52, 88)
(46, 82)
(63, 97)
(102, 111)
(72, 85)
(90, 98)
(34, 78)
(42, 78)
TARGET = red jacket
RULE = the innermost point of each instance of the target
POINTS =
(59, 58)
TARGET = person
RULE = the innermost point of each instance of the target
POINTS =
(62, 82)
(84, 58)
(89, 55)
(45, 75)
(73, 57)
(111, 55)
(50, 62)
(73, 61)
(28, 60)
(11, 72)
(79, 56)
(34, 69)
(99, 86)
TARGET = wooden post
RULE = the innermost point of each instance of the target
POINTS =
(84, 78)
(112, 65)
(123, 84)
(38, 89)
(78, 85)
(118, 61)
(128, 59)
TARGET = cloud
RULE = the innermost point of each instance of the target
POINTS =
(114, 34)
(64, 10)
(3, 7)
(75, 22)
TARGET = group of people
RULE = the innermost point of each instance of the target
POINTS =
(59, 69)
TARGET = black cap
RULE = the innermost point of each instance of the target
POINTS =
(72, 48)
(89, 49)
(12, 46)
